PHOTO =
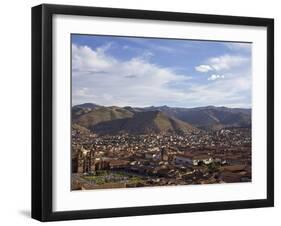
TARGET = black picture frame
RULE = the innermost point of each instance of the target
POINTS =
(42, 107)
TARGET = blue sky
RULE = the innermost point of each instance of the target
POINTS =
(123, 71)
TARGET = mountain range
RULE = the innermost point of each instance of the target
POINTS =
(158, 120)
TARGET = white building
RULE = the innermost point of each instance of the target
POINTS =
(206, 159)
(190, 160)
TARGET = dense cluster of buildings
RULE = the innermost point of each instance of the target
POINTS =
(205, 157)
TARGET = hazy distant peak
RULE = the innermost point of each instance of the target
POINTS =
(86, 105)
(206, 117)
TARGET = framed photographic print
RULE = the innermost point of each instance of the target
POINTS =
(145, 112)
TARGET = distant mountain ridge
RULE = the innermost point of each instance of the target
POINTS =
(89, 118)
(162, 119)
(149, 122)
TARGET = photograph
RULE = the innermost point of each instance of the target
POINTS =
(144, 112)
(150, 111)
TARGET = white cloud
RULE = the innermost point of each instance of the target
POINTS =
(100, 78)
(223, 63)
(203, 68)
(215, 77)
(84, 59)
(227, 62)
(232, 86)
(232, 91)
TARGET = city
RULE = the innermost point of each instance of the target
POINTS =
(118, 161)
